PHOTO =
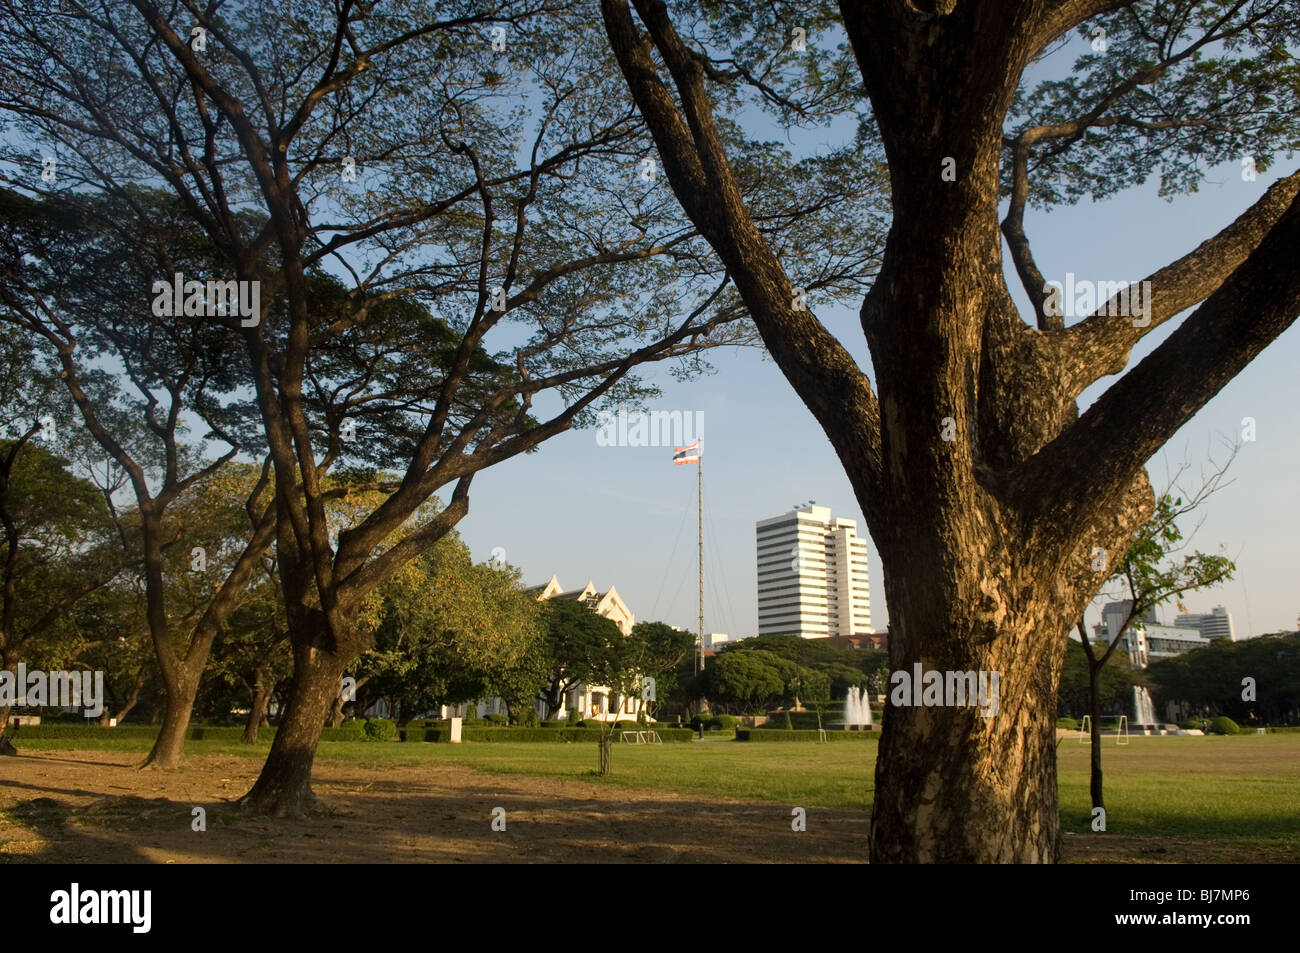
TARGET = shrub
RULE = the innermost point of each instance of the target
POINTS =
(722, 722)
(786, 723)
(1069, 724)
(526, 717)
(380, 729)
(1223, 725)
(496, 719)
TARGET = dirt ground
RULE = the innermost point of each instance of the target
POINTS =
(96, 807)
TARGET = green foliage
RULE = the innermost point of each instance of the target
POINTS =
(1211, 678)
(786, 723)
(380, 729)
(1069, 724)
(449, 630)
(1223, 725)
(1202, 108)
(525, 717)
(662, 652)
(581, 646)
(1115, 683)
(742, 679)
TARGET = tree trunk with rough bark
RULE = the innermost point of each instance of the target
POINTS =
(336, 712)
(261, 695)
(169, 747)
(283, 789)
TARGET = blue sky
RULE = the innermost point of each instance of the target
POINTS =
(625, 516)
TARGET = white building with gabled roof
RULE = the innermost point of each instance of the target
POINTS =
(608, 603)
(589, 701)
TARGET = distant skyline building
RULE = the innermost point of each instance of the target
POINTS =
(713, 640)
(1147, 639)
(1215, 624)
(812, 575)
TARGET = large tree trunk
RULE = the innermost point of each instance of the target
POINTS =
(283, 789)
(952, 785)
(169, 747)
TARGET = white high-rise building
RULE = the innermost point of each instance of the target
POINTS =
(1214, 624)
(812, 575)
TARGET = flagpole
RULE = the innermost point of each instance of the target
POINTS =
(700, 509)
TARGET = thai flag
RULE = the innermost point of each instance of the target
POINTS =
(689, 454)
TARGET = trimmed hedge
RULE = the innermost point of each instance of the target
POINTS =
(86, 731)
(530, 734)
(134, 732)
(224, 734)
(1069, 724)
(757, 734)
(197, 733)
(354, 729)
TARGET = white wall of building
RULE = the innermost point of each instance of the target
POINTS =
(812, 575)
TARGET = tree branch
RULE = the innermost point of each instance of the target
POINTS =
(1096, 456)
(1100, 344)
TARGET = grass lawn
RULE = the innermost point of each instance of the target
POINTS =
(1241, 792)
